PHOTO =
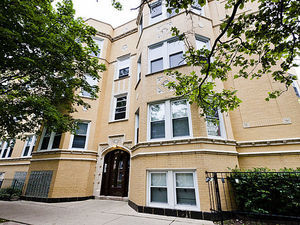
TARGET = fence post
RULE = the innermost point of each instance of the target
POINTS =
(218, 198)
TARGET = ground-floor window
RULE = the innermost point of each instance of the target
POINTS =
(176, 189)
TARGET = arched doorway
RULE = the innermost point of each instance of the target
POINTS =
(115, 173)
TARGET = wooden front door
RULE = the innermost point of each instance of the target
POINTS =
(115, 174)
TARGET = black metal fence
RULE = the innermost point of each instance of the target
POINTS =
(224, 205)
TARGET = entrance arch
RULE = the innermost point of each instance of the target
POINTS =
(115, 176)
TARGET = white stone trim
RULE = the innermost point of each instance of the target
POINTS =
(186, 151)
(71, 159)
(269, 153)
(14, 164)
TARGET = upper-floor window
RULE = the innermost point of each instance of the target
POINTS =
(215, 124)
(137, 125)
(196, 7)
(99, 43)
(123, 67)
(120, 107)
(202, 42)
(49, 140)
(7, 148)
(169, 119)
(141, 24)
(156, 9)
(92, 82)
(296, 88)
(29, 145)
(166, 55)
(79, 139)
(139, 65)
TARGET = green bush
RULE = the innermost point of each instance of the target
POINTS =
(8, 193)
(264, 191)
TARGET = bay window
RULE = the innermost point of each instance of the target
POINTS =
(173, 189)
(92, 82)
(169, 119)
(120, 107)
(29, 145)
(7, 148)
(99, 43)
(215, 124)
(49, 140)
(80, 137)
(165, 55)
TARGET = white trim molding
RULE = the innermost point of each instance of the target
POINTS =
(58, 158)
(290, 152)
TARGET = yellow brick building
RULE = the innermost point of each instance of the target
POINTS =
(138, 141)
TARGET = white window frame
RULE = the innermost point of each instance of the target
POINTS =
(87, 137)
(32, 144)
(168, 121)
(165, 53)
(222, 127)
(112, 119)
(171, 190)
(96, 82)
(141, 24)
(100, 46)
(137, 127)
(198, 10)
(139, 69)
(296, 87)
(50, 143)
(9, 149)
(119, 66)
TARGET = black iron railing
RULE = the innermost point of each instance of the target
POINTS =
(223, 199)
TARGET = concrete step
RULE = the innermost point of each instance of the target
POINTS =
(114, 198)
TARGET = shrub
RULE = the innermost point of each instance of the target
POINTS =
(262, 190)
(8, 193)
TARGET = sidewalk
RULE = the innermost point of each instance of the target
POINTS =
(84, 212)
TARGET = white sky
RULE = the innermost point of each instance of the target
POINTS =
(104, 11)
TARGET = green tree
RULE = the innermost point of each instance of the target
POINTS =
(253, 42)
(44, 54)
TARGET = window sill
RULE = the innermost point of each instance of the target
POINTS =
(165, 70)
(115, 121)
(122, 78)
(86, 97)
(169, 139)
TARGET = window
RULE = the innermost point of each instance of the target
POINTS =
(50, 140)
(156, 9)
(79, 139)
(202, 42)
(137, 125)
(169, 119)
(215, 125)
(196, 7)
(166, 55)
(173, 189)
(139, 73)
(1, 178)
(7, 148)
(29, 146)
(123, 67)
(296, 88)
(141, 24)
(99, 43)
(120, 109)
(92, 82)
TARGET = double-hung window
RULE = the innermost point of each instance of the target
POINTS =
(296, 88)
(7, 148)
(215, 124)
(173, 189)
(123, 67)
(120, 107)
(166, 55)
(29, 145)
(156, 9)
(50, 140)
(92, 82)
(169, 119)
(80, 138)
(139, 69)
(196, 7)
(99, 43)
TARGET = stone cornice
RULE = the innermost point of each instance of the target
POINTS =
(65, 151)
(112, 39)
(198, 140)
(271, 142)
